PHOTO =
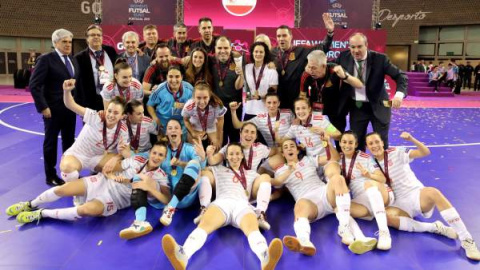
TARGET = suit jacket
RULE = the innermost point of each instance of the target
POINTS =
(378, 65)
(46, 82)
(86, 94)
(143, 64)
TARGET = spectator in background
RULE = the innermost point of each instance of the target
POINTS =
(433, 78)
(476, 83)
(467, 75)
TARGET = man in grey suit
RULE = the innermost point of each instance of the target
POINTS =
(46, 86)
(139, 63)
(370, 104)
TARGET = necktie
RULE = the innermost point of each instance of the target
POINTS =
(359, 104)
(68, 65)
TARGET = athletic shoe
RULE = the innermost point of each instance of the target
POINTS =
(196, 220)
(275, 250)
(471, 249)
(346, 234)
(295, 245)
(360, 246)
(29, 216)
(384, 240)
(17, 208)
(446, 231)
(174, 253)
(262, 221)
(137, 229)
(167, 215)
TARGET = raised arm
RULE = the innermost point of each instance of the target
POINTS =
(421, 151)
(68, 86)
(233, 109)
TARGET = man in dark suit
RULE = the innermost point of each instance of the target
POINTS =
(138, 63)
(370, 103)
(51, 70)
(95, 69)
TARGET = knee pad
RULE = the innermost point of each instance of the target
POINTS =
(138, 198)
(184, 186)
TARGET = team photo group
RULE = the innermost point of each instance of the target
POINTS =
(172, 124)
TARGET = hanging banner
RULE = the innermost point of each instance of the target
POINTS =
(141, 12)
(241, 14)
(350, 13)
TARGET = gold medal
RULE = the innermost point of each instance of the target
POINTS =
(283, 72)
(174, 172)
(101, 68)
(246, 193)
(325, 144)
(220, 84)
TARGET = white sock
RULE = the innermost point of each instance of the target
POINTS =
(263, 196)
(411, 225)
(205, 191)
(194, 242)
(343, 208)
(258, 244)
(302, 229)
(453, 219)
(67, 177)
(62, 213)
(46, 197)
(376, 202)
(357, 232)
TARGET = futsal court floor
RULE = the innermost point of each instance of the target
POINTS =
(93, 243)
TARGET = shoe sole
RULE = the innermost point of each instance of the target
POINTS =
(165, 223)
(291, 243)
(360, 247)
(384, 248)
(309, 251)
(275, 251)
(127, 235)
(168, 245)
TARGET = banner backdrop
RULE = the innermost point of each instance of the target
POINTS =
(241, 14)
(141, 12)
(353, 13)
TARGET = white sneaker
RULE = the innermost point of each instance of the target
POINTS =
(295, 245)
(174, 253)
(346, 234)
(360, 246)
(167, 215)
(471, 249)
(262, 221)
(446, 231)
(275, 251)
(196, 220)
(137, 229)
(384, 240)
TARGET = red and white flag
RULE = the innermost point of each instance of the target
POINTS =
(239, 7)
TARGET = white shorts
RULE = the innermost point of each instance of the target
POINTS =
(88, 163)
(233, 210)
(97, 189)
(319, 198)
(410, 203)
(363, 200)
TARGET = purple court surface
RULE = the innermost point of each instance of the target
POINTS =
(93, 243)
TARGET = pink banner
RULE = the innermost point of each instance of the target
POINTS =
(141, 12)
(344, 12)
(241, 14)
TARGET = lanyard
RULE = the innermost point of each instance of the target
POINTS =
(241, 177)
(269, 123)
(260, 75)
(104, 136)
(177, 153)
(204, 118)
(248, 166)
(222, 73)
(284, 62)
(385, 171)
(348, 176)
(134, 140)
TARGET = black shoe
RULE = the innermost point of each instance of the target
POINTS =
(55, 181)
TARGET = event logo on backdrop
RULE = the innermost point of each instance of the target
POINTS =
(139, 12)
(241, 14)
(344, 12)
(239, 7)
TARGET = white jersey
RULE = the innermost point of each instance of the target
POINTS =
(304, 179)
(227, 185)
(132, 166)
(147, 127)
(284, 123)
(134, 91)
(357, 181)
(403, 180)
(90, 139)
(269, 78)
(305, 136)
(258, 151)
(190, 111)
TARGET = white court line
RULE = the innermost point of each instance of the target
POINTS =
(43, 134)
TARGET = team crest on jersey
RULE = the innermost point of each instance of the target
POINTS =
(317, 117)
(187, 48)
(283, 122)
(239, 7)
(390, 163)
(291, 56)
(262, 115)
(329, 83)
